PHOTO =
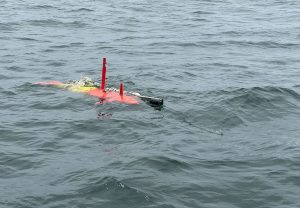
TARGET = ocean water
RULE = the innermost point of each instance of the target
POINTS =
(227, 135)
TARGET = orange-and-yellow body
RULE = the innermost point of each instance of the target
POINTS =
(106, 96)
(86, 85)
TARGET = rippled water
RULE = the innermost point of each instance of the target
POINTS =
(228, 135)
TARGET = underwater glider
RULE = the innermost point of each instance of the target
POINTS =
(88, 86)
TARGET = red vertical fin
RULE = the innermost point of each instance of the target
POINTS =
(121, 89)
(103, 74)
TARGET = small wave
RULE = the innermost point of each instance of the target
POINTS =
(180, 44)
(56, 23)
(262, 95)
(9, 26)
(76, 44)
(200, 20)
(260, 103)
(44, 7)
(263, 44)
(276, 62)
(48, 50)
(213, 119)
(8, 93)
(15, 69)
(225, 65)
(113, 189)
(202, 12)
(26, 39)
(106, 190)
(25, 87)
(17, 162)
(3, 77)
(56, 64)
(82, 10)
(226, 109)
(60, 46)
(4, 38)
(161, 163)
(67, 104)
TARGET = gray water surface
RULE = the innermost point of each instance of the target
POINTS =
(227, 136)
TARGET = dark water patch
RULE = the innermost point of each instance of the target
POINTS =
(114, 191)
(47, 50)
(229, 66)
(111, 191)
(231, 33)
(15, 69)
(8, 55)
(72, 177)
(4, 38)
(103, 191)
(60, 46)
(97, 127)
(129, 38)
(106, 48)
(202, 12)
(47, 23)
(30, 54)
(9, 135)
(189, 74)
(25, 87)
(229, 109)
(56, 64)
(131, 21)
(267, 98)
(161, 52)
(69, 133)
(162, 164)
(4, 77)
(18, 162)
(260, 44)
(117, 29)
(45, 6)
(141, 7)
(200, 20)
(8, 172)
(188, 44)
(49, 147)
(69, 103)
(250, 162)
(75, 44)
(82, 10)
(9, 26)
(260, 103)
(8, 92)
(213, 119)
(294, 180)
(56, 23)
(35, 124)
(26, 39)
(40, 105)
(263, 44)
(210, 43)
(7, 61)
(277, 62)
